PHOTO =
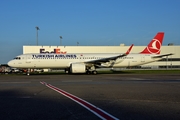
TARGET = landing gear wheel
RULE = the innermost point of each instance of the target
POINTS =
(67, 71)
(94, 72)
(88, 72)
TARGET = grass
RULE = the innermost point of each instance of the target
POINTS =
(141, 72)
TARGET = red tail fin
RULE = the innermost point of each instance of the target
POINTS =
(155, 45)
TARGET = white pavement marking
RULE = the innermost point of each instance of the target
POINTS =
(97, 111)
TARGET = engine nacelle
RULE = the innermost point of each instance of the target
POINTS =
(77, 68)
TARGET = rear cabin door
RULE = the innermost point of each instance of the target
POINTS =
(142, 58)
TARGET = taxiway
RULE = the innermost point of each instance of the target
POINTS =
(124, 96)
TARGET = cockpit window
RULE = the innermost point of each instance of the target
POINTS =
(17, 58)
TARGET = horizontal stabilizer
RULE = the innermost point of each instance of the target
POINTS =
(160, 56)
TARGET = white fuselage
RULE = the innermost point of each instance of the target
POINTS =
(65, 60)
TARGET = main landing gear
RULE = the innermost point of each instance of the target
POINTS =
(67, 71)
(94, 72)
(91, 70)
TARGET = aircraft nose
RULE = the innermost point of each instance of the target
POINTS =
(10, 63)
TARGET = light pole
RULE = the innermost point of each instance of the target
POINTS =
(60, 40)
(37, 28)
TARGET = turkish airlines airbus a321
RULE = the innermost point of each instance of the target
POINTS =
(89, 62)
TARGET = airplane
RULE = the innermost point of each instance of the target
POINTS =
(89, 62)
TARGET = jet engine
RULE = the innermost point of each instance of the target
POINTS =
(77, 68)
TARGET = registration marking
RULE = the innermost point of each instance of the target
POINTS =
(94, 109)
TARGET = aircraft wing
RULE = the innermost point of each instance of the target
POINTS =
(160, 56)
(108, 59)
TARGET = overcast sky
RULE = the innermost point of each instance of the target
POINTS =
(89, 22)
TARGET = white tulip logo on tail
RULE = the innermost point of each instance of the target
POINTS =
(154, 47)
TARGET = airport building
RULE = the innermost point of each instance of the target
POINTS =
(170, 62)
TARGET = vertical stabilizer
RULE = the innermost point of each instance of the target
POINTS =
(154, 47)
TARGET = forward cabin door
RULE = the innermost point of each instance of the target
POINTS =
(29, 61)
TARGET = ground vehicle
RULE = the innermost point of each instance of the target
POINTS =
(15, 70)
(5, 70)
